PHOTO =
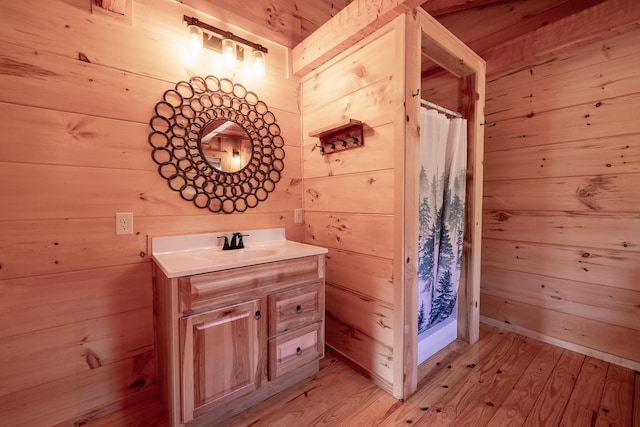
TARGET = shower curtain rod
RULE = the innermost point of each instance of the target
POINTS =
(439, 108)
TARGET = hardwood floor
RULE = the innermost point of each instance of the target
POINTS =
(504, 379)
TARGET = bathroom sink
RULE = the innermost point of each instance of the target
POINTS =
(236, 255)
(186, 255)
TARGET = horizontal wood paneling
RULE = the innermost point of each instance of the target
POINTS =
(375, 154)
(349, 197)
(593, 230)
(361, 274)
(601, 51)
(560, 239)
(491, 24)
(599, 193)
(597, 156)
(602, 81)
(129, 379)
(52, 246)
(612, 339)
(586, 26)
(346, 231)
(101, 191)
(58, 352)
(351, 193)
(36, 303)
(603, 303)
(349, 73)
(374, 105)
(364, 313)
(146, 49)
(596, 119)
(99, 142)
(370, 354)
(605, 267)
(77, 93)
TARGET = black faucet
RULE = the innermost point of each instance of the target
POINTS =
(225, 246)
(236, 241)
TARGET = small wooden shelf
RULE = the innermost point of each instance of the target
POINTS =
(340, 136)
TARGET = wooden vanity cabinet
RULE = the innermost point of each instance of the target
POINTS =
(229, 339)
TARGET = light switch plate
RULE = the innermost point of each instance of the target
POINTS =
(298, 217)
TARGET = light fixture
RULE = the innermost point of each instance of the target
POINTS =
(225, 42)
(194, 40)
(229, 52)
(258, 62)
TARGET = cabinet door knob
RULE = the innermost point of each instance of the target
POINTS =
(298, 351)
(298, 309)
(258, 315)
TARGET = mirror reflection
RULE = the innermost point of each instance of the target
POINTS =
(225, 145)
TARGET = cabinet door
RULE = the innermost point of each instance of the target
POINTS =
(222, 355)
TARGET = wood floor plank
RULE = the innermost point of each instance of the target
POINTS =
(616, 407)
(496, 388)
(447, 368)
(550, 406)
(334, 377)
(584, 402)
(515, 408)
(528, 383)
(473, 402)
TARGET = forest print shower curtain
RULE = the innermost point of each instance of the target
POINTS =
(443, 148)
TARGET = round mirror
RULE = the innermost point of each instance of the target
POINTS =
(216, 144)
(225, 145)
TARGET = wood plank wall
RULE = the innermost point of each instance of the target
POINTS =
(349, 196)
(561, 235)
(77, 91)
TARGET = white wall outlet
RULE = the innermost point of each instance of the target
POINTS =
(298, 217)
(124, 223)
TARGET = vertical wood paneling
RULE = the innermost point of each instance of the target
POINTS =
(77, 91)
(560, 244)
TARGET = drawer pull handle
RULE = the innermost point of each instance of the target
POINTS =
(298, 351)
(298, 309)
(258, 314)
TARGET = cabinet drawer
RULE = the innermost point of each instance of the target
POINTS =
(295, 349)
(295, 307)
(219, 288)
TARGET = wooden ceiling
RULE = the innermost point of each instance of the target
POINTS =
(481, 24)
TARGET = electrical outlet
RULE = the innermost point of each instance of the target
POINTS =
(124, 223)
(298, 216)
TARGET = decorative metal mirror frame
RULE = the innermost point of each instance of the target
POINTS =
(179, 119)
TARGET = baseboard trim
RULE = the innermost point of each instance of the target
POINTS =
(616, 360)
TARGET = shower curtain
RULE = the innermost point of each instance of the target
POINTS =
(443, 158)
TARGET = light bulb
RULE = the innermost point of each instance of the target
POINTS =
(258, 63)
(229, 53)
(194, 40)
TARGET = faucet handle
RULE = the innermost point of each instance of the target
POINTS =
(240, 242)
(225, 246)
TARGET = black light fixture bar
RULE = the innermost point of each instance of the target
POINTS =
(226, 34)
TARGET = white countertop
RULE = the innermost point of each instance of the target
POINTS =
(187, 255)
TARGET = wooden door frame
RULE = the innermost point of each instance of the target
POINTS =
(425, 36)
